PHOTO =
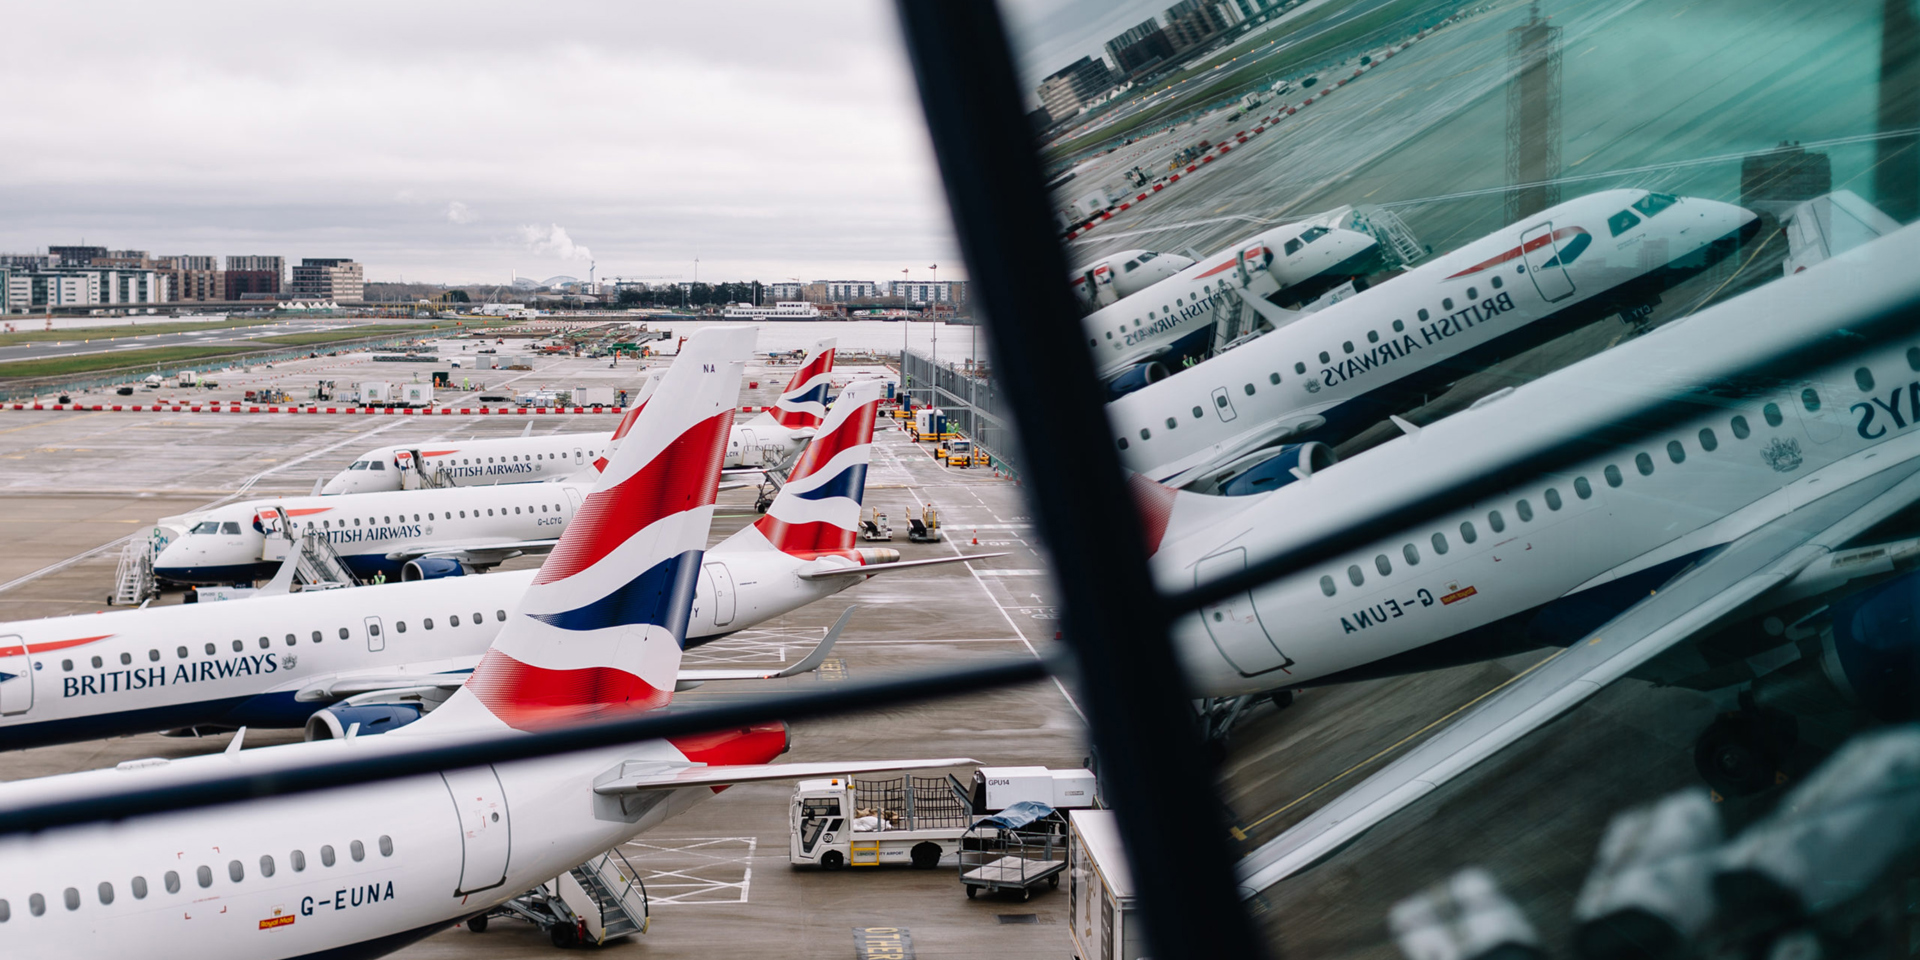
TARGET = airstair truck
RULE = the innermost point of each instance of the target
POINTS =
(847, 821)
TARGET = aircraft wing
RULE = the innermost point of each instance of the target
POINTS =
(641, 777)
(479, 554)
(1717, 584)
(826, 572)
(688, 679)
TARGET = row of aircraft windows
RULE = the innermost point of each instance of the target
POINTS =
(464, 461)
(329, 525)
(1373, 336)
(1643, 463)
(1293, 246)
(203, 875)
(266, 643)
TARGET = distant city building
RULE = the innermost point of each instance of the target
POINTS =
(28, 261)
(1190, 23)
(326, 278)
(922, 292)
(255, 277)
(838, 291)
(1140, 49)
(784, 290)
(193, 277)
(128, 259)
(28, 291)
(77, 256)
(1064, 93)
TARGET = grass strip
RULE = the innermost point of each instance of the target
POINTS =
(130, 330)
(110, 360)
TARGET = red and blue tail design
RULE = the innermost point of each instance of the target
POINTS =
(601, 628)
(804, 402)
(648, 385)
(818, 510)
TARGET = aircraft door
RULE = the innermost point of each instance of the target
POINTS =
(749, 446)
(376, 637)
(1223, 404)
(1542, 256)
(1234, 624)
(723, 593)
(16, 677)
(486, 830)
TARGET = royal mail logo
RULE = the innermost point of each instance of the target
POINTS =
(285, 920)
(1457, 595)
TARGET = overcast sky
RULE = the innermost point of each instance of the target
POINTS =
(467, 141)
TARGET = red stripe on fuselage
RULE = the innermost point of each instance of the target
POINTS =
(682, 477)
(524, 696)
(1530, 246)
(19, 649)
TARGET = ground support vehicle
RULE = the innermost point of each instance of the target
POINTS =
(1103, 916)
(924, 528)
(845, 821)
(876, 527)
(1015, 850)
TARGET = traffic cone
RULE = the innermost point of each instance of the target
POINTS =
(976, 538)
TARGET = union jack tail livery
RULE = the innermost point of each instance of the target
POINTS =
(602, 627)
(818, 510)
(648, 385)
(804, 402)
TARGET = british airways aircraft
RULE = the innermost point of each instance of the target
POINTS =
(382, 657)
(1219, 426)
(1117, 276)
(363, 871)
(765, 440)
(1137, 340)
(1745, 550)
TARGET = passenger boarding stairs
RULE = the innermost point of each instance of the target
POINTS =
(606, 893)
(133, 581)
(416, 477)
(595, 902)
(1397, 242)
(318, 563)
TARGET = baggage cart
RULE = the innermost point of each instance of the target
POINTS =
(1015, 850)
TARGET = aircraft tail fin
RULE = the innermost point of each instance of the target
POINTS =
(592, 637)
(804, 402)
(648, 384)
(818, 510)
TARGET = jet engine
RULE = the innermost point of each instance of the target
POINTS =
(1139, 375)
(334, 722)
(431, 568)
(1267, 469)
(1876, 643)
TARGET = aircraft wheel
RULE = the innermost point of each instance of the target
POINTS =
(925, 856)
(832, 860)
(1735, 757)
(1281, 699)
(477, 924)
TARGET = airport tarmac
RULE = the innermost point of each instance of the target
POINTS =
(80, 481)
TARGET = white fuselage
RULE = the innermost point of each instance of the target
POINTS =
(244, 662)
(371, 867)
(1338, 370)
(1169, 314)
(374, 533)
(1600, 534)
(508, 460)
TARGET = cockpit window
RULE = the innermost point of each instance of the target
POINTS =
(1293, 247)
(206, 526)
(358, 465)
(231, 528)
(1312, 234)
(1149, 255)
(1621, 222)
(376, 465)
(1653, 203)
(1131, 264)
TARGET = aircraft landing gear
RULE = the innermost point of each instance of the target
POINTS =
(1742, 753)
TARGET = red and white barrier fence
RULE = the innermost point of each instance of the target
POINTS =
(361, 411)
